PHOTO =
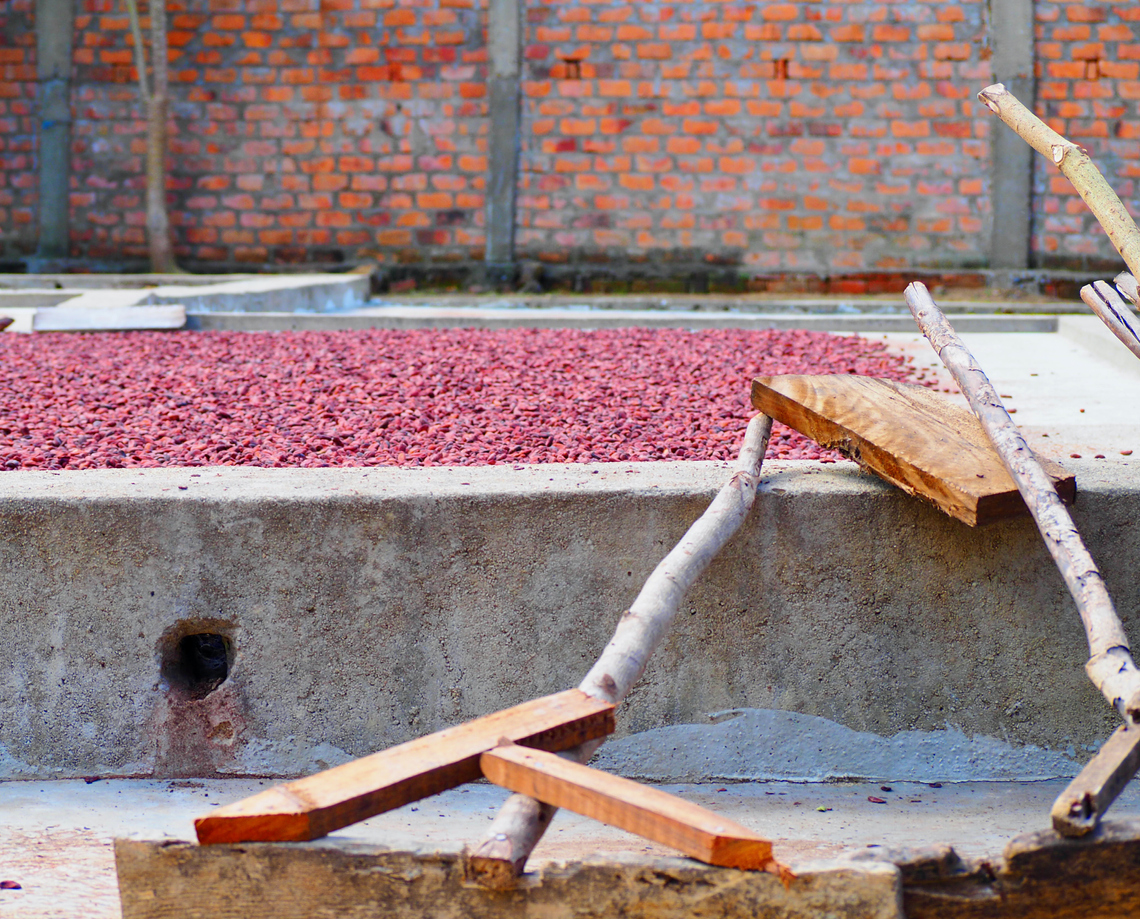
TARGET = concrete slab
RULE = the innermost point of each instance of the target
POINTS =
(300, 293)
(56, 837)
(443, 594)
(109, 319)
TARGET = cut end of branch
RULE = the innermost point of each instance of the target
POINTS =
(1127, 286)
(990, 95)
(492, 872)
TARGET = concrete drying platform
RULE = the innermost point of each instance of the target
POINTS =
(56, 841)
(367, 606)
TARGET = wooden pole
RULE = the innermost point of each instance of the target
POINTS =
(1110, 665)
(499, 859)
(1076, 166)
(1104, 300)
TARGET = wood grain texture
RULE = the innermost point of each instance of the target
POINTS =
(341, 878)
(630, 806)
(319, 804)
(1040, 876)
(906, 434)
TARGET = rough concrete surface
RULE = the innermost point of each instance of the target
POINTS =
(56, 837)
(366, 607)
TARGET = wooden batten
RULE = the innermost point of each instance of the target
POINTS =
(908, 435)
(610, 799)
(319, 804)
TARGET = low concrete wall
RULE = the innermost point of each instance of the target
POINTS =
(364, 607)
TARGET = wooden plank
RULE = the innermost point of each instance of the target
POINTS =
(1080, 807)
(353, 879)
(315, 806)
(109, 319)
(908, 435)
(648, 812)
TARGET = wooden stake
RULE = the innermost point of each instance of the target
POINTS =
(499, 859)
(1079, 808)
(630, 806)
(315, 806)
(1076, 166)
(1102, 298)
(1110, 665)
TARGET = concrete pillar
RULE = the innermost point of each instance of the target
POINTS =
(55, 20)
(1011, 22)
(504, 33)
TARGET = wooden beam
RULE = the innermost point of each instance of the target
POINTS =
(906, 434)
(610, 799)
(319, 804)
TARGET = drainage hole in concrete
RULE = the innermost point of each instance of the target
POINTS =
(202, 663)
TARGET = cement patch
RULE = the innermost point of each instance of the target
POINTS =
(753, 745)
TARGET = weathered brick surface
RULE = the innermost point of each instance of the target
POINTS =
(18, 181)
(1088, 71)
(302, 131)
(772, 136)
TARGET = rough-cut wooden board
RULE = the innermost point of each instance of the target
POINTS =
(648, 812)
(1040, 875)
(315, 806)
(906, 434)
(109, 319)
(350, 879)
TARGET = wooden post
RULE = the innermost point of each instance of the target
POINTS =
(499, 859)
(1110, 665)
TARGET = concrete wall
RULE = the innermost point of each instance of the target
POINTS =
(365, 607)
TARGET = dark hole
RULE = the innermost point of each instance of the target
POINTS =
(203, 663)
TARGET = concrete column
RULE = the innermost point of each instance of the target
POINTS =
(1011, 22)
(504, 32)
(55, 20)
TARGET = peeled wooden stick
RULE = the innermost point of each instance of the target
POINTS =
(1110, 665)
(1077, 167)
(1104, 300)
(500, 857)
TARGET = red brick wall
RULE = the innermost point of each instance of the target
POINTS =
(1088, 72)
(18, 180)
(773, 136)
(303, 131)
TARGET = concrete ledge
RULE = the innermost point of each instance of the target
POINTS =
(368, 606)
(429, 317)
(294, 880)
(311, 293)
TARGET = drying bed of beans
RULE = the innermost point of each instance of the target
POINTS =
(402, 398)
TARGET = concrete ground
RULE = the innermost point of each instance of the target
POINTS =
(1073, 390)
(55, 837)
